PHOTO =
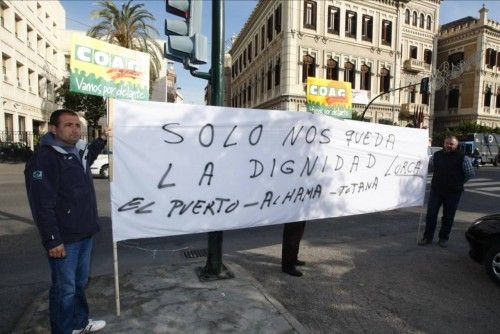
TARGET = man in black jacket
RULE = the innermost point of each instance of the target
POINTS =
(451, 170)
(63, 204)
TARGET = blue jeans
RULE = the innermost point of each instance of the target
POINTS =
(449, 201)
(67, 302)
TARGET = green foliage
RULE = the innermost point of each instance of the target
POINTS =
(92, 106)
(128, 27)
(463, 129)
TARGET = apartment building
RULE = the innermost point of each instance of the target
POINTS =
(470, 49)
(32, 66)
(376, 45)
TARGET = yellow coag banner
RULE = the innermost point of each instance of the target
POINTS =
(329, 97)
(103, 69)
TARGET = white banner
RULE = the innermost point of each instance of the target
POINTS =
(180, 169)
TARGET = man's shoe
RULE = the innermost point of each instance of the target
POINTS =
(424, 242)
(292, 272)
(92, 326)
(443, 243)
(300, 263)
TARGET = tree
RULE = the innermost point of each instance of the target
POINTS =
(92, 106)
(128, 27)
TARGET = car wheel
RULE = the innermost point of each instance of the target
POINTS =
(492, 263)
(105, 171)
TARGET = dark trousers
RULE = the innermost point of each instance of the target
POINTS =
(292, 234)
(449, 201)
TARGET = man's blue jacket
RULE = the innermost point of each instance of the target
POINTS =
(61, 191)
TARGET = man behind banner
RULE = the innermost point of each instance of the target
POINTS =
(451, 170)
(63, 204)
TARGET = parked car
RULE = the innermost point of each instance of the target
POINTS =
(14, 152)
(100, 167)
(484, 240)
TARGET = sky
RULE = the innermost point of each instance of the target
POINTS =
(78, 17)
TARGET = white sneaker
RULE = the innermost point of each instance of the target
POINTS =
(92, 326)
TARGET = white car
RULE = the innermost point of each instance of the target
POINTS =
(100, 167)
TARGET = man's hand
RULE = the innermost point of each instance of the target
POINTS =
(57, 252)
(106, 133)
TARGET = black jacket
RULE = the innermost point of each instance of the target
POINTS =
(61, 191)
(448, 173)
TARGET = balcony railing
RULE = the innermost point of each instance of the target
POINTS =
(414, 65)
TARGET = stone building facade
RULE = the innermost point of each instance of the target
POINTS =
(32, 66)
(376, 45)
(469, 49)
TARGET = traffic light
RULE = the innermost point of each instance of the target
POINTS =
(185, 43)
(424, 85)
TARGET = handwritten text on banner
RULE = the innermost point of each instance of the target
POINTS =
(180, 169)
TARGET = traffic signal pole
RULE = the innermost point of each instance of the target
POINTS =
(214, 268)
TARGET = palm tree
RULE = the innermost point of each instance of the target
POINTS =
(129, 28)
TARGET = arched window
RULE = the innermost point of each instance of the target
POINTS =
(332, 69)
(428, 56)
(349, 74)
(366, 76)
(407, 16)
(308, 67)
(385, 80)
(429, 22)
(421, 23)
(414, 19)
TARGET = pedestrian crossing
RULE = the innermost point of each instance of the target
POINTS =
(482, 186)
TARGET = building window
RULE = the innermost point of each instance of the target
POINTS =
(3, 9)
(308, 67)
(385, 80)
(413, 52)
(249, 93)
(269, 77)
(421, 21)
(332, 70)
(350, 24)
(277, 72)
(18, 26)
(367, 28)
(428, 56)
(249, 52)
(5, 61)
(244, 94)
(456, 58)
(310, 14)
(429, 22)
(333, 20)
(497, 105)
(411, 95)
(407, 16)
(262, 78)
(386, 32)
(350, 74)
(277, 19)
(414, 19)
(262, 36)
(425, 98)
(19, 74)
(270, 28)
(366, 76)
(256, 43)
(9, 127)
(453, 97)
(487, 97)
(490, 59)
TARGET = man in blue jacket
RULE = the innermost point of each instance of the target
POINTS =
(63, 204)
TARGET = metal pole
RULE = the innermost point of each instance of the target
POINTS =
(214, 268)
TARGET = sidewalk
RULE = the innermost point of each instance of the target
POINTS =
(171, 299)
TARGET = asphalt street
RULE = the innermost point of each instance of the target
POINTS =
(364, 274)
